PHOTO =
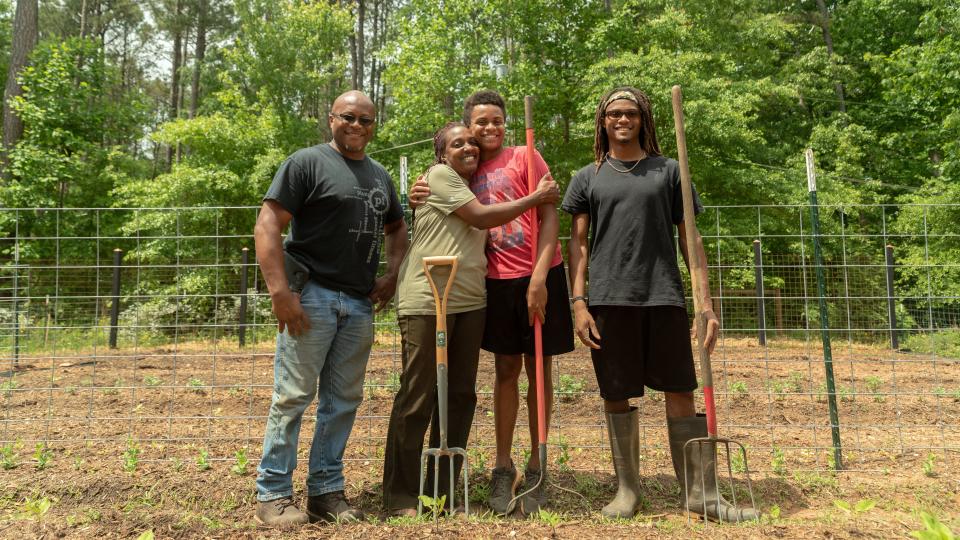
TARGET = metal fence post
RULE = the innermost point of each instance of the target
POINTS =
(404, 198)
(824, 321)
(16, 315)
(242, 330)
(891, 299)
(115, 295)
(758, 278)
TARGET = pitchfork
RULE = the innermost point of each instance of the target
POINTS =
(443, 450)
(699, 448)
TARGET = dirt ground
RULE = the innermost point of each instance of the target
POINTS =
(147, 440)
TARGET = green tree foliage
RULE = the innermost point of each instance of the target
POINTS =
(290, 57)
(759, 87)
(74, 140)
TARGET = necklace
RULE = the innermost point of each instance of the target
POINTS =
(614, 167)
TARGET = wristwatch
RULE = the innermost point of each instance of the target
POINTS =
(576, 299)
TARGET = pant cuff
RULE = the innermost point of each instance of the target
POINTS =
(316, 492)
(274, 495)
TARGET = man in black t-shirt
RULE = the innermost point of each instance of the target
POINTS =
(631, 198)
(337, 202)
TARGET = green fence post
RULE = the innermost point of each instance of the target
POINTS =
(824, 321)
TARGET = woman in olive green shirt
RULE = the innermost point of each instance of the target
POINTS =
(451, 222)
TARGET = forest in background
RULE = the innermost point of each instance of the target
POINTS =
(194, 103)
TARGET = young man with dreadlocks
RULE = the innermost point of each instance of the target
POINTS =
(635, 320)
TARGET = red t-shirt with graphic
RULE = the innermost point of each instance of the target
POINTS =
(502, 179)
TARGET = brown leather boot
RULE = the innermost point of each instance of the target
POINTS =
(282, 512)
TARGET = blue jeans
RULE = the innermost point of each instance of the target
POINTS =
(333, 354)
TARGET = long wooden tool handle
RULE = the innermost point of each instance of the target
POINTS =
(693, 257)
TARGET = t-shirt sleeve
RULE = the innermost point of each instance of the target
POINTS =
(394, 211)
(289, 186)
(575, 199)
(678, 197)
(448, 191)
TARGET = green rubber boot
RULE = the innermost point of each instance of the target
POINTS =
(701, 472)
(624, 431)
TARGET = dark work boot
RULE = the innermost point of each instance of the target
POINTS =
(332, 507)
(701, 478)
(624, 431)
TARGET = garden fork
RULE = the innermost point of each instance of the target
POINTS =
(443, 450)
(702, 451)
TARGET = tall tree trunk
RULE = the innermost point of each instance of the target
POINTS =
(361, 54)
(375, 45)
(199, 52)
(25, 32)
(828, 40)
(353, 61)
(83, 19)
(175, 72)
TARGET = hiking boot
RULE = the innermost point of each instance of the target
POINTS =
(504, 482)
(532, 502)
(624, 431)
(280, 513)
(332, 507)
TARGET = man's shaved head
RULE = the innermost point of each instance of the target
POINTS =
(352, 120)
(353, 97)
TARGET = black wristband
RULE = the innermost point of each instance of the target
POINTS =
(576, 299)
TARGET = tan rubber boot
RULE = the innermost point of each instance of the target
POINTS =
(701, 472)
(624, 431)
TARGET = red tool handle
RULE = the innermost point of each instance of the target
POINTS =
(534, 243)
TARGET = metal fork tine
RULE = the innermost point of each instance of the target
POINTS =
(702, 447)
(733, 488)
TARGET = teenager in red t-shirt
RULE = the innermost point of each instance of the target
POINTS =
(516, 290)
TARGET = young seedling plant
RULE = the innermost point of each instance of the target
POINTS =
(434, 505)
(239, 468)
(929, 466)
(42, 456)
(131, 456)
(203, 460)
(8, 455)
(873, 385)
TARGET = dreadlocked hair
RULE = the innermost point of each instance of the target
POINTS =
(648, 130)
(439, 142)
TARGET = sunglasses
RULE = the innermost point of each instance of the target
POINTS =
(616, 115)
(350, 119)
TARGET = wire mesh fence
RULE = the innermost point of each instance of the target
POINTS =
(151, 329)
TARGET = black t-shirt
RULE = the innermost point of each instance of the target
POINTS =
(339, 208)
(633, 257)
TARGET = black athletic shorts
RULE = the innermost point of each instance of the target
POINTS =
(642, 346)
(508, 330)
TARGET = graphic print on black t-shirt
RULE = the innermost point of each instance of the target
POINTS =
(339, 208)
(375, 203)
